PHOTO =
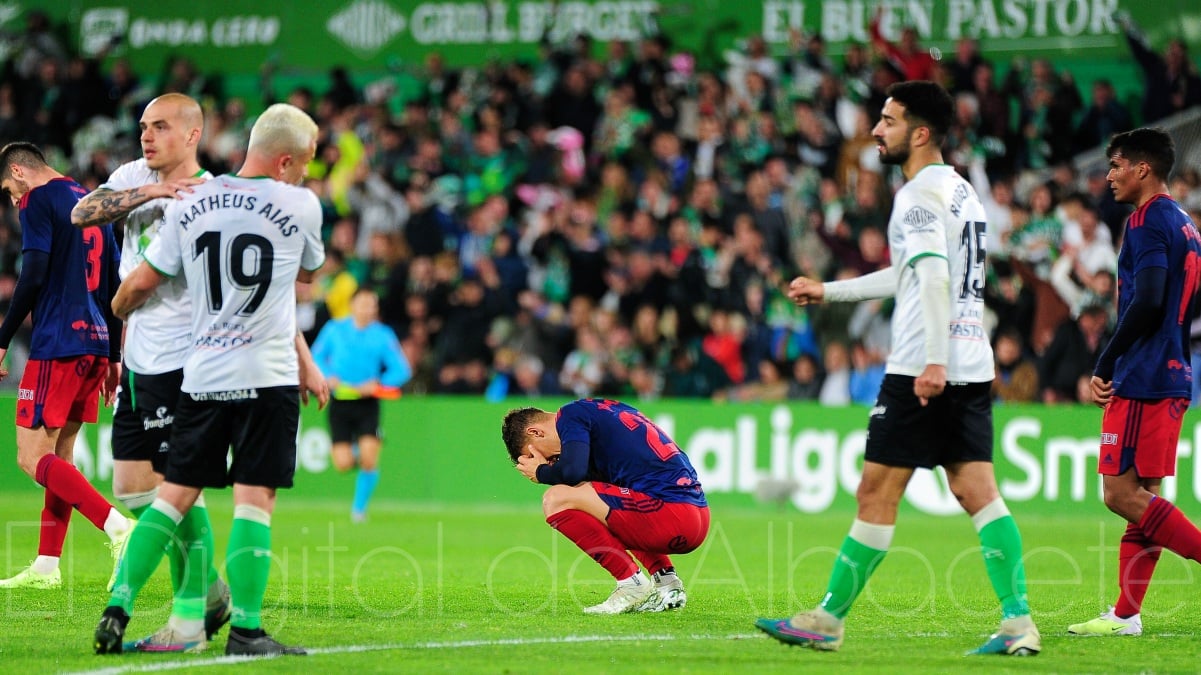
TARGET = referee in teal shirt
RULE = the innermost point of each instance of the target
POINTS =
(363, 362)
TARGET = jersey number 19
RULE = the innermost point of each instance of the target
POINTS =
(230, 263)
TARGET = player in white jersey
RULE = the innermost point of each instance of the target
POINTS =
(240, 243)
(156, 341)
(934, 406)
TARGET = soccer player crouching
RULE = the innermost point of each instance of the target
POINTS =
(617, 482)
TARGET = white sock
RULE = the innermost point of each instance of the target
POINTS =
(186, 626)
(116, 524)
(637, 579)
(1018, 624)
(45, 564)
(137, 500)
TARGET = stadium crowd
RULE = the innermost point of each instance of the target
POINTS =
(613, 220)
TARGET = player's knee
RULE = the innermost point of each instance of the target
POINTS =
(28, 462)
(557, 498)
(1121, 502)
(343, 461)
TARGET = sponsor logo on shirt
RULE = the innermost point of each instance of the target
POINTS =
(918, 220)
(234, 395)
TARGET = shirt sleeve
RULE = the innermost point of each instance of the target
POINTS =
(122, 178)
(164, 253)
(397, 370)
(314, 249)
(37, 222)
(924, 229)
(1149, 244)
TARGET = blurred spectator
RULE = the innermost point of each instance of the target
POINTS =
(907, 56)
(769, 385)
(867, 374)
(1072, 354)
(1171, 80)
(692, 373)
(805, 384)
(836, 385)
(584, 368)
(962, 70)
(1105, 117)
(1016, 378)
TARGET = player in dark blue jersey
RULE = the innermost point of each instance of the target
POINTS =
(618, 483)
(1143, 379)
(67, 281)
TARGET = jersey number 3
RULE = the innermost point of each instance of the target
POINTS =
(93, 247)
(246, 263)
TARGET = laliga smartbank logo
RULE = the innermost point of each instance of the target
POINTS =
(365, 25)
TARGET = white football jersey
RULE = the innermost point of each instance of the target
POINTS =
(937, 213)
(158, 335)
(239, 243)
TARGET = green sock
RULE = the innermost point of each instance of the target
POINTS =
(1001, 544)
(196, 538)
(154, 533)
(201, 514)
(855, 564)
(175, 556)
(248, 563)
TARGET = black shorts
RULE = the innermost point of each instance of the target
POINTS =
(143, 417)
(955, 427)
(351, 420)
(258, 425)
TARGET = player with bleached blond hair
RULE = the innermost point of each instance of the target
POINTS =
(240, 243)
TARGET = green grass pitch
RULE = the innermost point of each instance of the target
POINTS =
(460, 590)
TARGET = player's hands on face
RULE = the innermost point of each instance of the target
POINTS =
(1101, 390)
(804, 290)
(930, 383)
(175, 189)
(528, 464)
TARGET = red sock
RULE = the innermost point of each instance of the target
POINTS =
(1137, 557)
(653, 562)
(1166, 526)
(596, 540)
(56, 515)
(64, 480)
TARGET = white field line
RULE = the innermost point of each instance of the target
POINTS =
(129, 665)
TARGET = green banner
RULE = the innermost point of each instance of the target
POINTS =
(238, 37)
(800, 457)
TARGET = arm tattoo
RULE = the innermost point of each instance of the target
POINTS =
(105, 206)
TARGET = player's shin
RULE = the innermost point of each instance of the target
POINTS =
(154, 533)
(862, 550)
(187, 610)
(1166, 526)
(1001, 545)
(596, 540)
(248, 564)
(1137, 558)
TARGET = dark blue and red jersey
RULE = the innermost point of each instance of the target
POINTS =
(72, 307)
(627, 449)
(1159, 234)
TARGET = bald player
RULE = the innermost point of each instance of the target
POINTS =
(157, 341)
